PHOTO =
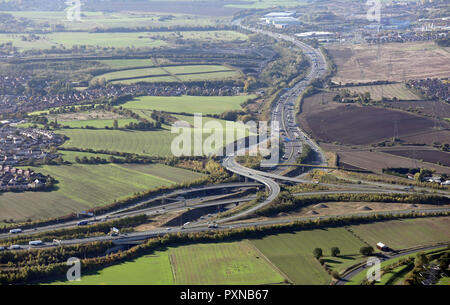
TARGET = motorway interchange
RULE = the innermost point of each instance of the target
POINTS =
(283, 112)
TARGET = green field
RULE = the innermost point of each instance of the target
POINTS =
(151, 143)
(401, 234)
(82, 187)
(388, 91)
(231, 263)
(293, 253)
(117, 40)
(70, 39)
(268, 260)
(71, 155)
(92, 20)
(151, 269)
(228, 263)
(189, 104)
(169, 74)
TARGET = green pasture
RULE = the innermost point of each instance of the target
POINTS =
(82, 187)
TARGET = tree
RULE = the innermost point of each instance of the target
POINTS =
(317, 253)
(335, 251)
(421, 259)
(366, 251)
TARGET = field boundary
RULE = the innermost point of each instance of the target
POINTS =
(268, 261)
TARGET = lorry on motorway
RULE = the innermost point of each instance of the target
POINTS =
(14, 247)
(35, 243)
(15, 231)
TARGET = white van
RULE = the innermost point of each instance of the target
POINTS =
(15, 231)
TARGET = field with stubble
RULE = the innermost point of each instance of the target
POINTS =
(393, 61)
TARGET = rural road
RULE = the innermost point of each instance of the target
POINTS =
(344, 280)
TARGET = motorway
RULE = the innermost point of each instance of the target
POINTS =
(132, 238)
(283, 113)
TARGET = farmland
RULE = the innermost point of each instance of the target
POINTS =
(169, 74)
(397, 90)
(292, 253)
(196, 264)
(188, 104)
(83, 187)
(406, 233)
(429, 108)
(376, 161)
(356, 125)
(221, 263)
(116, 40)
(271, 259)
(153, 269)
(389, 62)
(432, 156)
(150, 143)
(93, 19)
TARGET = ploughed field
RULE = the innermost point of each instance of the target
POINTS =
(352, 124)
(355, 125)
(432, 156)
(81, 187)
(271, 259)
(429, 108)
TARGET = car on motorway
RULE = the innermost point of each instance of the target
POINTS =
(83, 223)
(213, 226)
(15, 231)
(35, 243)
(2, 248)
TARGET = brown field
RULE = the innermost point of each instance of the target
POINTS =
(355, 125)
(393, 61)
(432, 156)
(352, 124)
(429, 108)
(428, 138)
(376, 161)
